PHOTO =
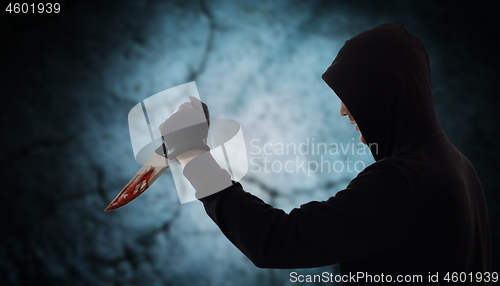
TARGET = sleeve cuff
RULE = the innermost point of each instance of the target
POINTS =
(206, 176)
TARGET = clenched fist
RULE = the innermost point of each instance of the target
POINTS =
(186, 129)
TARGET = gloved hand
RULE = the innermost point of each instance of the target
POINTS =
(186, 129)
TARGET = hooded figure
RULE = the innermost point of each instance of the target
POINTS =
(418, 210)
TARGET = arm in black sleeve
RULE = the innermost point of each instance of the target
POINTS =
(364, 219)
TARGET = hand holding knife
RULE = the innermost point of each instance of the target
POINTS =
(185, 130)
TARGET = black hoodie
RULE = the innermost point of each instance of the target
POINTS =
(419, 209)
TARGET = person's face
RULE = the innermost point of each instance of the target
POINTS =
(343, 112)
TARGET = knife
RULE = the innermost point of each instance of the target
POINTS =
(154, 167)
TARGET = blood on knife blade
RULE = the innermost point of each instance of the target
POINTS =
(132, 190)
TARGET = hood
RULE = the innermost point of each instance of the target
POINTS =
(383, 77)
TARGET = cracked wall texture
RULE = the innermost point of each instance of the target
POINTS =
(68, 85)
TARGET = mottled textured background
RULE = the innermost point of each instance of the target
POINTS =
(68, 85)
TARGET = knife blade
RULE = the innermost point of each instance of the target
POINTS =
(154, 167)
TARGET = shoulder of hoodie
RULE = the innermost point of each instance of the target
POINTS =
(389, 172)
(403, 171)
(383, 183)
